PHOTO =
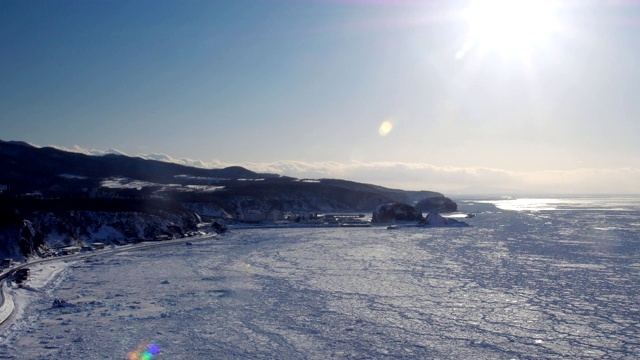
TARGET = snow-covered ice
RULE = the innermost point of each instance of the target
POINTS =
(557, 283)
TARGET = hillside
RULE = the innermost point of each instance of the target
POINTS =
(49, 173)
(40, 187)
(27, 168)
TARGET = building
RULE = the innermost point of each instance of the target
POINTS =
(275, 215)
(253, 216)
(69, 250)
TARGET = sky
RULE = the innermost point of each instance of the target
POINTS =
(452, 96)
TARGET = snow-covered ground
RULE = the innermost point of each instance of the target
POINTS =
(556, 283)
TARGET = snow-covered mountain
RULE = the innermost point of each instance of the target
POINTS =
(40, 232)
(72, 198)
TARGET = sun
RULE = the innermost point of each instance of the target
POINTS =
(510, 27)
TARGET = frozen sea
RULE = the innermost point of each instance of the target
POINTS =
(529, 279)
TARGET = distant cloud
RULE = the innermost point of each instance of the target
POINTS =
(159, 157)
(421, 176)
(94, 152)
(470, 180)
(185, 161)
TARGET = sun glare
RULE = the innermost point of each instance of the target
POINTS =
(509, 27)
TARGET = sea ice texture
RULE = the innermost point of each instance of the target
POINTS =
(513, 285)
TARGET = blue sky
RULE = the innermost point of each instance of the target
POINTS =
(302, 88)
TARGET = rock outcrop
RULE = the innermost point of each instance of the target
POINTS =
(20, 239)
(437, 204)
(391, 212)
(47, 230)
(436, 220)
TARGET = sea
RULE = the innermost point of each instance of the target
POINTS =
(530, 278)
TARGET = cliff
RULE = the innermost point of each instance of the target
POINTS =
(40, 229)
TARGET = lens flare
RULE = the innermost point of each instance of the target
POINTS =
(385, 128)
(144, 352)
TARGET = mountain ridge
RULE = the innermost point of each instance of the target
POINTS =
(21, 160)
(28, 169)
(44, 191)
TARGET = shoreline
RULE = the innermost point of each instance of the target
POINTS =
(13, 303)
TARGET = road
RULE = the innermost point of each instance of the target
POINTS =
(6, 307)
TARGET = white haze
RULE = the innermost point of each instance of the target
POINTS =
(424, 176)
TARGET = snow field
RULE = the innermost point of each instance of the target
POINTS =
(514, 285)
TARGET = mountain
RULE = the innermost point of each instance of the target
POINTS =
(27, 168)
(53, 197)
(52, 173)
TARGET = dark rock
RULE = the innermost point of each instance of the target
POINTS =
(60, 303)
(77, 228)
(30, 239)
(437, 204)
(220, 228)
(395, 212)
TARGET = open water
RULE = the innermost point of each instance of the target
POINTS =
(529, 279)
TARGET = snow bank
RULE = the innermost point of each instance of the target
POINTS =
(7, 303)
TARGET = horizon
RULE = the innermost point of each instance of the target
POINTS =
(316, 171)
(463, 97)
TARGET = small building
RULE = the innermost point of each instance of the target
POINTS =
(253, 216)
(275, 215)
(98, 245)
(69, 250)
(6, 263)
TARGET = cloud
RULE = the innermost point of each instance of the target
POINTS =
(423, 176)
(464, 180)
(94, 152)
(159, 157)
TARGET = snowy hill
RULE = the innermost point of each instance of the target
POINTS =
(116, 193)
(39, 227)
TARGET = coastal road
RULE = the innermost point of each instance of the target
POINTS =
(6, 303)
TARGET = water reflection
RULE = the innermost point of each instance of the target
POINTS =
(627, 203)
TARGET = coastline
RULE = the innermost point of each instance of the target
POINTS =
(47, 271)
(14, 301)
(7, 307)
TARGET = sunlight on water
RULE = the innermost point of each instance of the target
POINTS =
(514, 284)
(526, 204)
(578, 203)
